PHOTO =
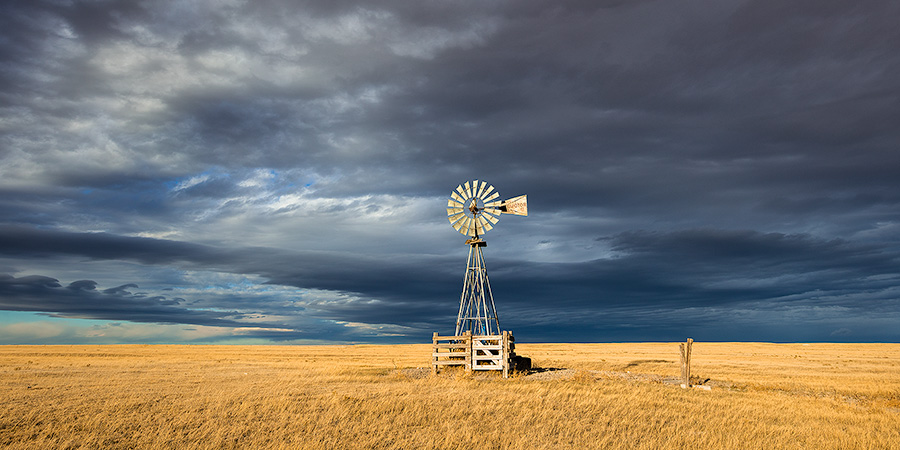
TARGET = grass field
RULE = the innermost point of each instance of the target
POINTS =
(793, 396)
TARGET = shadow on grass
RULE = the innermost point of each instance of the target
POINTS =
(544, 369)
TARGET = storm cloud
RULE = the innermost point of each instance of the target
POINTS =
(277, 171)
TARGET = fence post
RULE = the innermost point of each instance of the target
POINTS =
(685, 350)
(469, 359)
(504, 353)
(434, 350)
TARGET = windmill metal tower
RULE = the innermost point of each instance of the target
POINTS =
(473, 209)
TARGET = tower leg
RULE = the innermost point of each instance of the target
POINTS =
(477, 312)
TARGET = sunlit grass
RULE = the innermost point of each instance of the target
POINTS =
(608, 396)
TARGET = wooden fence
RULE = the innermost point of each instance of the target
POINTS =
(474, 352)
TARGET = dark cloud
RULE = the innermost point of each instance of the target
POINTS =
(120, 289)
(84, 285)
(648, 272)
(43, 294)
(737, 160)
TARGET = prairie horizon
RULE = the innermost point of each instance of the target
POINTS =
(623, 395)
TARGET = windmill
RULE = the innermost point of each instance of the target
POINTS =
(474, 209)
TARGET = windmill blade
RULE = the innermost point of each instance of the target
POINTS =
(491, 197)
(479, 229)
(470, 227)
(468, 194)
(453, 203)
(481, 189)
(490, 212)
(474, 228)
(484, 224)
(516, 205)
(461, 192)
(487, 192)
(456, 198)
(494, 205)
(491, 218)
(454, 210)
(458, 225)
(454, 217)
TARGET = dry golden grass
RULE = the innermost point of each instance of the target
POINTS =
(792, 396)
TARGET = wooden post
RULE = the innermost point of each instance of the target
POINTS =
(685, 350)
(469, 359)
(434, 349)
(504, 353)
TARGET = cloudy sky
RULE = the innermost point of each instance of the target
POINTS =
(278, 171)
